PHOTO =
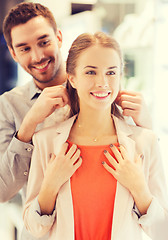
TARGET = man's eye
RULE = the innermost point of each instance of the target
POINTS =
(26, 49)
(44, 43)
(111, 73)
(91, 73)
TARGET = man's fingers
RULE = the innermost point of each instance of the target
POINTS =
(130, 93)
(56, 92)
(58, 102)
(130, 112)
(134, 99)
(130, 105)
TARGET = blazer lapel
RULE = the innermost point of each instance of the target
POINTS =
(123, 199)
(62, 133)
(65, 215)
(64, 205)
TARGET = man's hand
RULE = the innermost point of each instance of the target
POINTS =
(133, 105)
(50, 99)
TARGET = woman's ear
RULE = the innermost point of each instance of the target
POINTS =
(72, 81)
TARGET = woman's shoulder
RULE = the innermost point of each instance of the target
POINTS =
(52, 131)
(137, 132)
(144, 134)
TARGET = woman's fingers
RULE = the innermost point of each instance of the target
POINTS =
(78, 164)
(71, 151)
(52, 156)
(111, 159)
(124, 153)
(75, 156)
(110, 169)
(64, 148)
(139, 159)
(116, 152)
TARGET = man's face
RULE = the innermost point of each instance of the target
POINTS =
(36, 47)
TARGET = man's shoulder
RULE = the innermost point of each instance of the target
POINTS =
(19, 91)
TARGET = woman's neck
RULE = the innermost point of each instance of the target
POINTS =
(93, 128)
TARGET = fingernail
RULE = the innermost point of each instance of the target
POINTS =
(142, 156)
(103, 162)
(111, 145)
(105, 151)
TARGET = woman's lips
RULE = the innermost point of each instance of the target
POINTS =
(100, 94)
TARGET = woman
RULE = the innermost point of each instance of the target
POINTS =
(104, 178)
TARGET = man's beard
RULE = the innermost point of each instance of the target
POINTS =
(46, 81)
(54, 75)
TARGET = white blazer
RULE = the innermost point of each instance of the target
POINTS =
(126, 223)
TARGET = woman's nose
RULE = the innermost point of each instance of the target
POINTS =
(102, 81)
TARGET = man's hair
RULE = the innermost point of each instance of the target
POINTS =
(22, 13)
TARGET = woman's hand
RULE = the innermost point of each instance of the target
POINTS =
(59, 169)
(130, 175)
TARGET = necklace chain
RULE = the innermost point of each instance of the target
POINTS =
(94, 139)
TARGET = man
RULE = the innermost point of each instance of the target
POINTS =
(34, 42)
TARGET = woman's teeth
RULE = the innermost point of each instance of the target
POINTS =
(100, 94)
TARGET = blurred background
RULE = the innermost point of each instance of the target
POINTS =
(141, 27)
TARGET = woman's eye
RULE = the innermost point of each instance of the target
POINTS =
(111, 73)
(91, 73)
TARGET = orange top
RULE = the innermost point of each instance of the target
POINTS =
(93, 194)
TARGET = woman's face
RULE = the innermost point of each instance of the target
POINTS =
(97, 77)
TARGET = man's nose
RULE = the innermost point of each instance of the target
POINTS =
(37, 55)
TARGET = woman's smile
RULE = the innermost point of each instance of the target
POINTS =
(100, 94)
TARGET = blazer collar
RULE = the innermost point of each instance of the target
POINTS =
(66, 125)
(122, 127)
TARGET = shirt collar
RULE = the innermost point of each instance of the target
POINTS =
(34, 91)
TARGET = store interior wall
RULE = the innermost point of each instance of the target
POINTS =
(8, 68)
(139, 26)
